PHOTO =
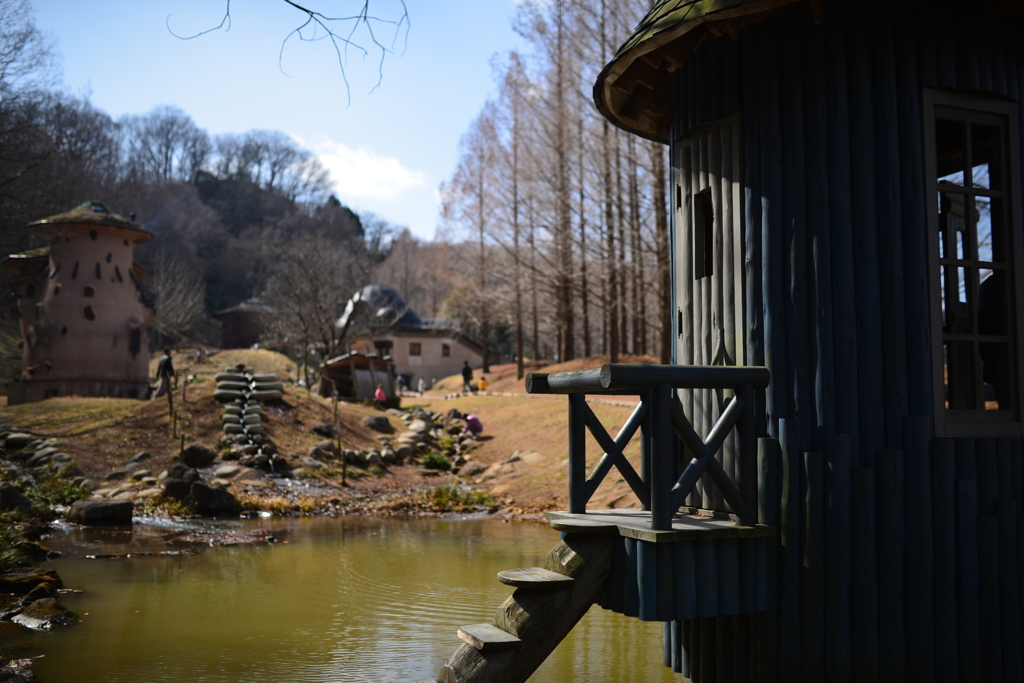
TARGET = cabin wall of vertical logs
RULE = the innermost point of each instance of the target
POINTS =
(900, 557)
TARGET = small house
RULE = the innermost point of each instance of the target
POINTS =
(378, 321)
(242, 325)
(83, 320)
(356, 376)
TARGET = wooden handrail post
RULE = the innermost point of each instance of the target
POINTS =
(646, 438)
(577, 453)
(747, 475)
(661, 458)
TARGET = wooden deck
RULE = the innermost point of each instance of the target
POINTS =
(636, 524)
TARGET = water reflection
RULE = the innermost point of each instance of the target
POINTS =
(333, 600)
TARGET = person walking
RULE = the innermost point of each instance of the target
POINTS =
(467, 377)
(164, 373)
(421, 385)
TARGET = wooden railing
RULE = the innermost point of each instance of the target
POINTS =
(660, 486)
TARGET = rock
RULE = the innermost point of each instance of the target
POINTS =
(116, 475)
(150, 481)
(44, 615)
(16, 671)
(458, 461)
(395, 412)
(182, 472)
(212, 501)
(514, 458)
(131, 467)
(377, 423)
(327, 447)
(471, 469)
(317, 452)
(140, 456)
(197, 455)
(18, 440)
(325, 429)
(42, 590)
(84, 483)
(374, 459)
(355, 457)
(152, 492)
(21, 581)
(177, 489)
(41, 456)
(311, 464)
(13, 499)
(389, 455)
(139, 475)
(419, 426)
(411, 437)
(61, 457)
(404, 453)
(93, 512)
(227, 471)
(249, 474)
(262, 460)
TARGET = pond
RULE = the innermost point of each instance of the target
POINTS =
(342, 599)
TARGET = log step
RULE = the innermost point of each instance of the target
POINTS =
(534, 577)
(487, 637)
(583, 526)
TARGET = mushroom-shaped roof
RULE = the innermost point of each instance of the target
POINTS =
(632, 90)
(384, 304)
(96, 213)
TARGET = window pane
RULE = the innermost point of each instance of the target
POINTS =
(950, 146)
(983, 227)
(995, 358)
(985, 145)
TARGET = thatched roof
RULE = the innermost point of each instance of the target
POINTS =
(632, 90)
(96, 213)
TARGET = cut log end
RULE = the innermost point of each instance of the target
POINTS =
(534, 577)
(486, 637)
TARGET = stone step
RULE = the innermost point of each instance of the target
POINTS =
(487, 637)
(534, 577)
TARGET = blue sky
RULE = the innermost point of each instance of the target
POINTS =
(387, 151)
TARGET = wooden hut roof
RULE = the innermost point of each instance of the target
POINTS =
(96, 213)
(632, 90)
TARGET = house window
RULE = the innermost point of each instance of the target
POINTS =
(446, 350)
(974, 211)
(415, 349)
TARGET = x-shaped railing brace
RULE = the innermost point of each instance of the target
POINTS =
(704, 462)
(704, 455)
(613, 453)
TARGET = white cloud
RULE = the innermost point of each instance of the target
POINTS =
(362, 174)
(366, 181)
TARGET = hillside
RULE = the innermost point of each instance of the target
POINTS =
(502, 378)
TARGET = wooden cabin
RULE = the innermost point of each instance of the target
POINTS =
(357, 376)
(847, 213)
(83, 320)
(847, 216)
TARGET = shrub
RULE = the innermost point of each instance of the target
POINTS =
(436, 461)
(455, 498)
(57, 491)
(376, 470)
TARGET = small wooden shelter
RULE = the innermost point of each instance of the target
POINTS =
(82, 317)
(847, 213)
(356, 376)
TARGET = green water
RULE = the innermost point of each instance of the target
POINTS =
(333, 600)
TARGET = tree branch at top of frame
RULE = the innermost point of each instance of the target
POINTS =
(343, 32)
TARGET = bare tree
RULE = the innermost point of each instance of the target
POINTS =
(178, 296)
(360, 31)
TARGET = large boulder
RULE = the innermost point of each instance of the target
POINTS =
(212, 501)
(197, 455)
(44, 615)
(420, 426)
(22, 581)
(99, 512)
(378, 423)
(13, 499)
